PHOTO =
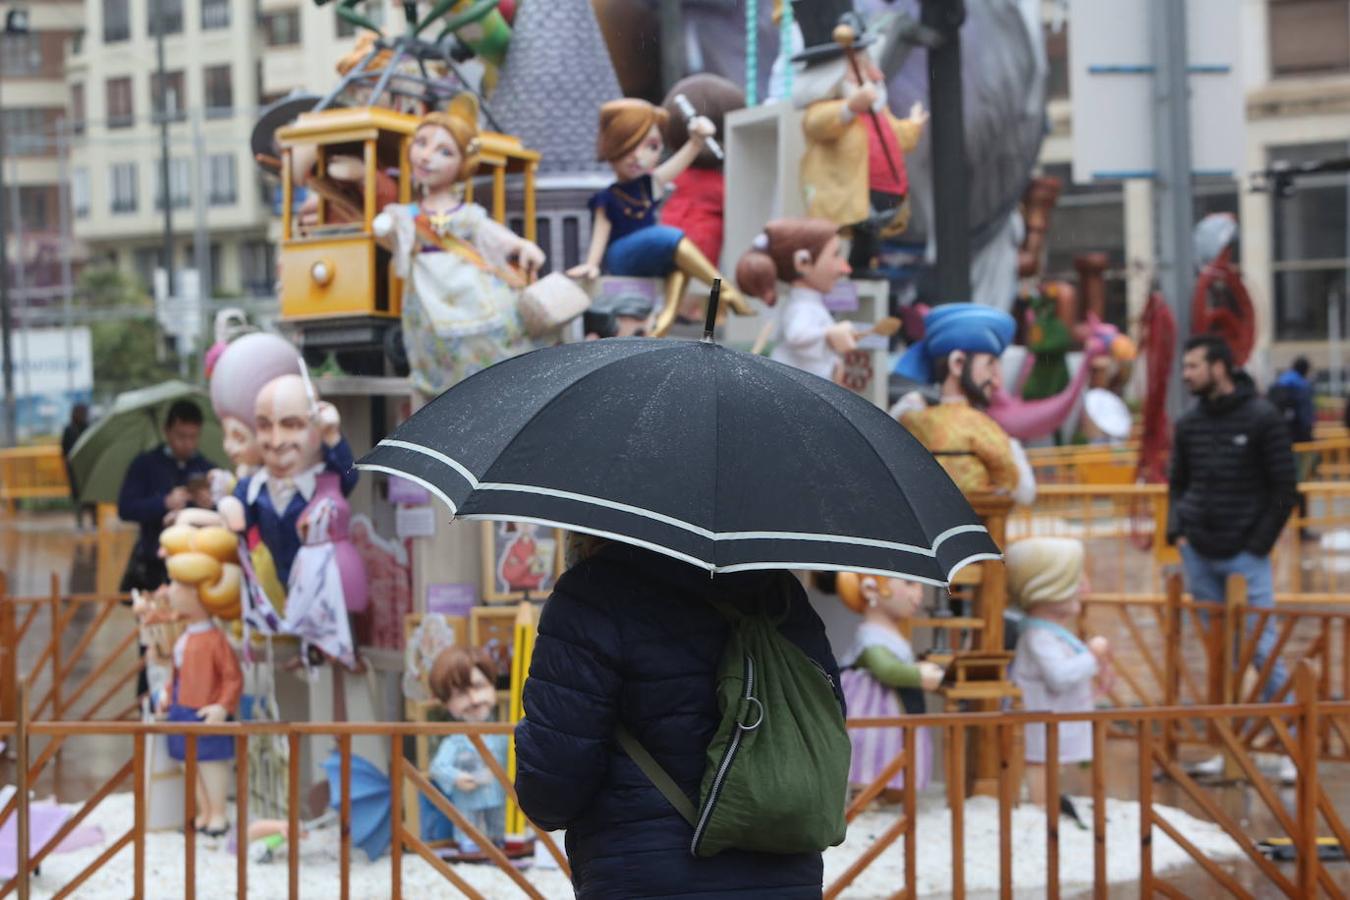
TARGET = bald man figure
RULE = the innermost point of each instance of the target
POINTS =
(299, 438)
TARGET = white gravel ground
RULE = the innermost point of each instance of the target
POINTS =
(216, 866)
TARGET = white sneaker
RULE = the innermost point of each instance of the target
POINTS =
(1211, 766)
(1287, 773)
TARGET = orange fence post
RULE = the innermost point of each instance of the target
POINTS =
(21, 786)
(56, 646)
(1305, 690)
(1172, 628)
(9, 655)
(1145, 808)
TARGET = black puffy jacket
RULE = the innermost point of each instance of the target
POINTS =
(628, 636)
(1233, 482)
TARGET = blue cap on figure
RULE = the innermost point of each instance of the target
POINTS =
(971, 327)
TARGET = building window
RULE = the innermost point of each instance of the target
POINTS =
(1310, 259)
(1057, 57)
(1309, 37)
(180, 178)
(121, 112)
(215, 14)
(224, 187)
(116, 21)
(145, 260)
(374, 11)
(79, 192)
(21, 54)
(175, 103)
(123, 187)
(163, 14)
(30, 130)
(219, 92)
(259, 265)
(37, 207)
(77, 108)
(282, 27)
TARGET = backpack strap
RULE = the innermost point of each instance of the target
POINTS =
(658, 776)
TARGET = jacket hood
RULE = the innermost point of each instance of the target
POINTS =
(1244, 390)
(1290, 378)
(663, 569)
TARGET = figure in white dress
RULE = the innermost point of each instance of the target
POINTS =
(460, 295)
(1056, 670)
(805, 254)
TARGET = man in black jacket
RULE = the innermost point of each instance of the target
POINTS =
(1232, 486)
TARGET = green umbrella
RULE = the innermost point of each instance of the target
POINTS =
(135, 423)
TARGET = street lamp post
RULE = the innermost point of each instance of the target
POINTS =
(951, 192)
(16, 22)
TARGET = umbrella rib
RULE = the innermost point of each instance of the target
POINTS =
(870, 446)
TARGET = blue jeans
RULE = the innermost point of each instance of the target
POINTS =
(1206, 579)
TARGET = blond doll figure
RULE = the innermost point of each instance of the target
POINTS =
(460, 290)
(204, 584)
(1056, 670)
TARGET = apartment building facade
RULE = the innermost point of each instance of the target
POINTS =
(224, 61)
(32, 119)
(1294, 250)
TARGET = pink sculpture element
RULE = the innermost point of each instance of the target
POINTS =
(1028, 420)
(390, 581)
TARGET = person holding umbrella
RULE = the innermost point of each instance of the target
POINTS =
(689, 496)
(156, 484)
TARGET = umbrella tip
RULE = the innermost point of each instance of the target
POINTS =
(710, 320)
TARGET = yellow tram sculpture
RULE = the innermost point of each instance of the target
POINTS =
(337, 285)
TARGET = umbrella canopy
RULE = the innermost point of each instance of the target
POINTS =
(722, 459)
(134, 424)
(371, 807)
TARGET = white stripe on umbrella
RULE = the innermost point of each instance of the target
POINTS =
(476, 485)
(692, 560)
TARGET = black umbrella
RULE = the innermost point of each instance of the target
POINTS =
(725, 460)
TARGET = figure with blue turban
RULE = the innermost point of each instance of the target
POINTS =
(960, 351)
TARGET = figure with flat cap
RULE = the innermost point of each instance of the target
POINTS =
(960, 352)
(853, 170)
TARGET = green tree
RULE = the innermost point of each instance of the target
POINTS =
(126, 349)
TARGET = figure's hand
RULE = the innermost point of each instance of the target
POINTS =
(930, 676)
(307, 216)
(382, 225)
(584, 271)
(329, 421)
(233, 512)
(841, 337)
(176, 499)
(862, 99)
(346, 168)
(1099, 646)
(201, 496)
(700, 129)
(530, 257)
(213, 714)
(918, 115)
(466, 782)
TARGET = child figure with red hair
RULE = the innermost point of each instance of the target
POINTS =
(881, 677)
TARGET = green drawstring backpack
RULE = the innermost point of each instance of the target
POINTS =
(777, 772)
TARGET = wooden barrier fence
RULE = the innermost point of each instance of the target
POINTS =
(32, 473)
(68, 675)
(1294, 727)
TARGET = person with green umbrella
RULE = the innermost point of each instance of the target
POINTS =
(156, 484)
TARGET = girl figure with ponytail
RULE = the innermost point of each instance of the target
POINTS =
(805, 254)
(626, 237)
